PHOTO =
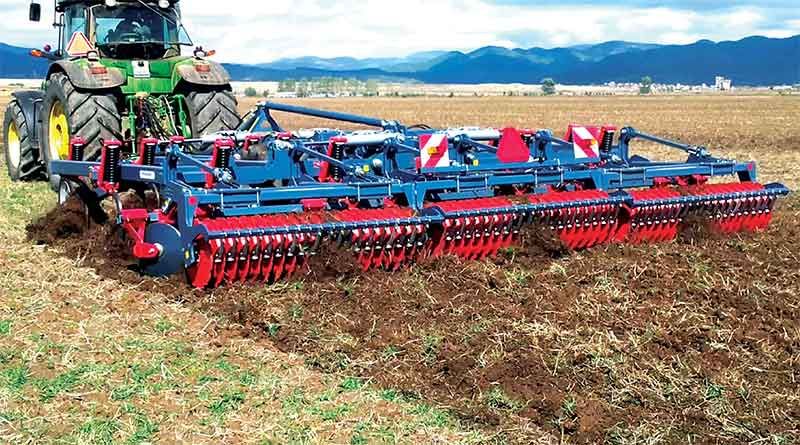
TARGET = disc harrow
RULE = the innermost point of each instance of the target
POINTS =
(243, 255)
(254, 205)
(650, 220)
(584, 226)
(474, 236)
(745, 209)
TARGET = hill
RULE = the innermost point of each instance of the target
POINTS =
(17, 63)
(750, 61)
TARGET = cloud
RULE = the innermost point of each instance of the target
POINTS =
(743, 17)
(692, 5)
(252, 32)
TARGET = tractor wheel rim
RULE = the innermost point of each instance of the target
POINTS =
(58, 132)
(14, 145)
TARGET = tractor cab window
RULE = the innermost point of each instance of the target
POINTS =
(74, 22)
(135, 31)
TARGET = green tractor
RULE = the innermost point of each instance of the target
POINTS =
(118, 73)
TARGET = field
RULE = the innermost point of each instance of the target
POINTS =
(695, 341)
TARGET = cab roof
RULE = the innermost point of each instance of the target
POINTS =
(63, 4)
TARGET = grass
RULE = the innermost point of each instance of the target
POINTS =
(497, 399)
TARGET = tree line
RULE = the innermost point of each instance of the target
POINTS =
(549, 86)
(333, 86)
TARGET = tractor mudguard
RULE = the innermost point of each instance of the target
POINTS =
(31, 103)
(81, 76)
(203, 72)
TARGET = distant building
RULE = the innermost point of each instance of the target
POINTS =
(723, 84)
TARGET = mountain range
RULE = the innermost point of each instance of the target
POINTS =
(17, 63)
(750, 61)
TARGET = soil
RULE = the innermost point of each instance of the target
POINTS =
(699, 334)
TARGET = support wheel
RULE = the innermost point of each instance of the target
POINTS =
(22, 158)
(69, 112)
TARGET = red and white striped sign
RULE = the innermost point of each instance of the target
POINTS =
(584, 143)
(434, 150)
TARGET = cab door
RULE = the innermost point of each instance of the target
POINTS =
(75, 21)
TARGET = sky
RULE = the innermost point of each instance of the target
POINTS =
(249, 31)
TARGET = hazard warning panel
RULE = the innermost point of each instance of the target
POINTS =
(79, 45)
(584, 143)
(434, 151)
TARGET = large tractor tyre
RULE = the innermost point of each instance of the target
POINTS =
(211, 111)
(67, 113)
(22, 157)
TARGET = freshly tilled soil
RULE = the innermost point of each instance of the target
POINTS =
(695, 340)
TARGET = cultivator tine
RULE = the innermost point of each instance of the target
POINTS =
(294, 253)
(231, 260)
(243, 252)
(289, 254)
(490, 237)
(220, 249)
(268, 243)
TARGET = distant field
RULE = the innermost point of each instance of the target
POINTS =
(694, 341)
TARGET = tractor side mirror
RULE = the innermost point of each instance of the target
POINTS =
(35, 12)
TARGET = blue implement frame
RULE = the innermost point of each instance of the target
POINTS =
(372, 166)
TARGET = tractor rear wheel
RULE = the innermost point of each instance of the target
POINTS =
(211, 111)
(68, 112)
(22, 158)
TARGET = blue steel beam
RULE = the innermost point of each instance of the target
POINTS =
(332, 115)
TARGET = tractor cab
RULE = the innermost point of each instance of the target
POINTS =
(133, 31)
(119, 29)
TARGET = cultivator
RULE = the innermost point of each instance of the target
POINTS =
(255, 204)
